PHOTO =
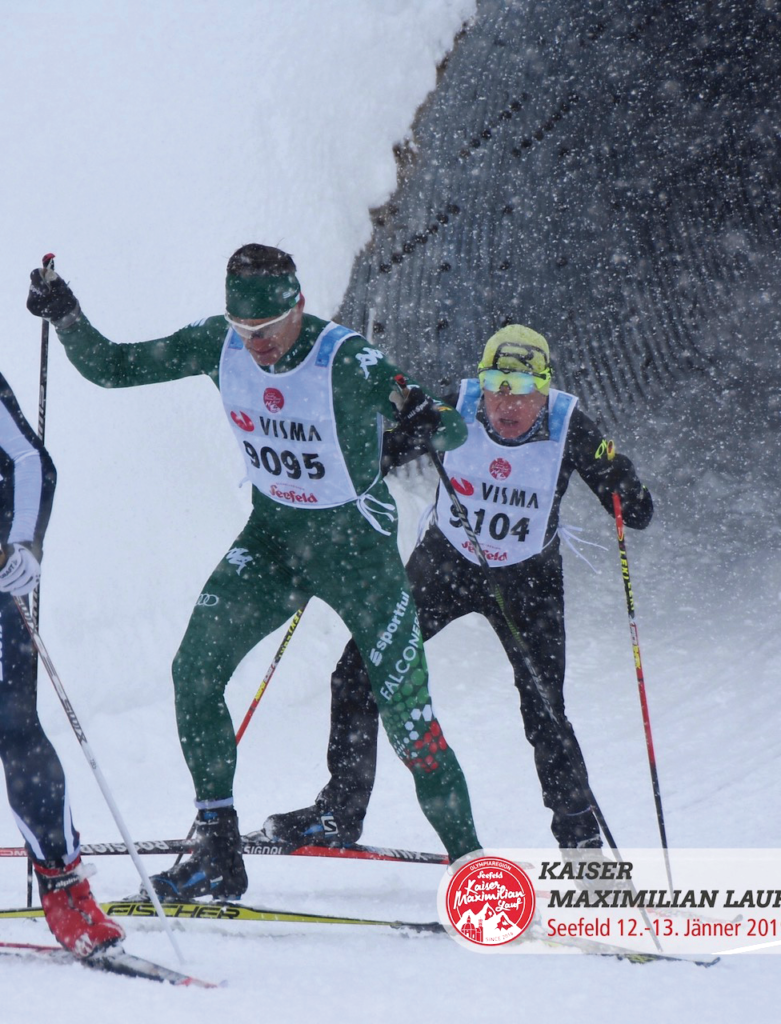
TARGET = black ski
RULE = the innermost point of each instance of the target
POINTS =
(111, 962)
(258, 844)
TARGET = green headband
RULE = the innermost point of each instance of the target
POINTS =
(257, 296)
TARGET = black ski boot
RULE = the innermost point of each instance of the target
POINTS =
(576, 829)
(311, 826)
(216, 867)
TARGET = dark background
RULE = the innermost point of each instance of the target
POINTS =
(607, 173)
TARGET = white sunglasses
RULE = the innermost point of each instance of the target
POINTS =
(250, 331)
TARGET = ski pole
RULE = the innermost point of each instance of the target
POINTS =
(495, 589)
(530, 666)
(498, 596)
(630, 605)
(48, 275)
(271, 670)
(43, 383)
(520, 643)
(81, 737)
(261, 690)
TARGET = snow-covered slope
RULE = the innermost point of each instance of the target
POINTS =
(144, 143)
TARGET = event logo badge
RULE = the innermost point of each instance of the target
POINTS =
(273, 399)
(489, 901)
(500, 469)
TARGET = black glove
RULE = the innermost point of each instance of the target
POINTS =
(418, 416)
(619, 477)
(52, 299)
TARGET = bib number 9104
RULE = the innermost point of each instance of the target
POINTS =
(499, 525)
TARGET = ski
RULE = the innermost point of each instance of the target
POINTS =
(262, 845)
(634, 956)
(138, 967)
(231, 911)
(111, 962)
(234, 911)
(257, 844)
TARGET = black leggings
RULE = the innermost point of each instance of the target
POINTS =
(33, 773)
(446, 586)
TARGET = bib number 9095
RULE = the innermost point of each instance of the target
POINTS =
(276, 463)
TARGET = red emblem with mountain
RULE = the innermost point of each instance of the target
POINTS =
(490, 901)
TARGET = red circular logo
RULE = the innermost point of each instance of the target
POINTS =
(490, 901)
(241, 419)
(462, 485)
(273, 399)
(500, 469)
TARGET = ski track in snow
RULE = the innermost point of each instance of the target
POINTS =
(174, 133)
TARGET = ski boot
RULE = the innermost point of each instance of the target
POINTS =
(310, 826)
(75, 919)
(576, 830)
(592, 870)
(216, 867)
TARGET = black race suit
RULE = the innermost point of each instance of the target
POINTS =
(33, 773)
(445, 586)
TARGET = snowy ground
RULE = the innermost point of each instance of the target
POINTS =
(143, 143)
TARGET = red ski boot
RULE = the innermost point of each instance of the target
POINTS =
(75, 919)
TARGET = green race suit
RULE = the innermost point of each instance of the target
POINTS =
(346, 555)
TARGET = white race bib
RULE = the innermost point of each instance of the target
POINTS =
(285, 425)
(507, 491)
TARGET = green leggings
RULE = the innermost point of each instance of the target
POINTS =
(256, 587)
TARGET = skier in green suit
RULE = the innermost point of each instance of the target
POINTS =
(304, 399)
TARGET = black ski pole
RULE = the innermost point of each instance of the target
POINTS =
(49, 274)
(498, 596)
(520, 643)
(531, 668)
(43, 384)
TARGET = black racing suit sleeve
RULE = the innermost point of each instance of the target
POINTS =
(584, 452)
(28, 478)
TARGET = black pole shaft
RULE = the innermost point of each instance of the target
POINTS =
(498, 596)
(35, 597)
(520, 643)
(530, 666)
